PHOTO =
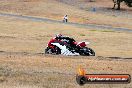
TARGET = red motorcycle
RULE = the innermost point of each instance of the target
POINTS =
(68, 46)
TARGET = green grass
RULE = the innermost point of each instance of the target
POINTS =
(102, 30)
(82, 35)
(107, 31)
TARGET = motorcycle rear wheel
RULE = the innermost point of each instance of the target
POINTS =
(56, 50)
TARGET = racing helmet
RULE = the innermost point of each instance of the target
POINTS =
(59, 35)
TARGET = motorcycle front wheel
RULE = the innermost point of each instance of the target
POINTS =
(87, 52)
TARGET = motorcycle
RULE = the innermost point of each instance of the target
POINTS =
(63, 47)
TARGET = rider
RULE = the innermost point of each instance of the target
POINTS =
(65, 18)
(65, 39)
(69, 42)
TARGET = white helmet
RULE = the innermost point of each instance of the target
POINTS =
(59, 35)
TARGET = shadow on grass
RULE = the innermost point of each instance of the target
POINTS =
(118, 58)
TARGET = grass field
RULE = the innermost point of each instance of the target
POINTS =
(55, 9)
(22, 44)
(21, 65)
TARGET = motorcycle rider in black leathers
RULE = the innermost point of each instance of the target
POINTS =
(70, 42)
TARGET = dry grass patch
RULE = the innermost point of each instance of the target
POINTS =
(40, 71)
(27, 36)
(21, 65)
(56, 10)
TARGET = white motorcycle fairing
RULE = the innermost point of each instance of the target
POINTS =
(64, 50)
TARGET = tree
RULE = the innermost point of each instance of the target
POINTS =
(117, 2)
